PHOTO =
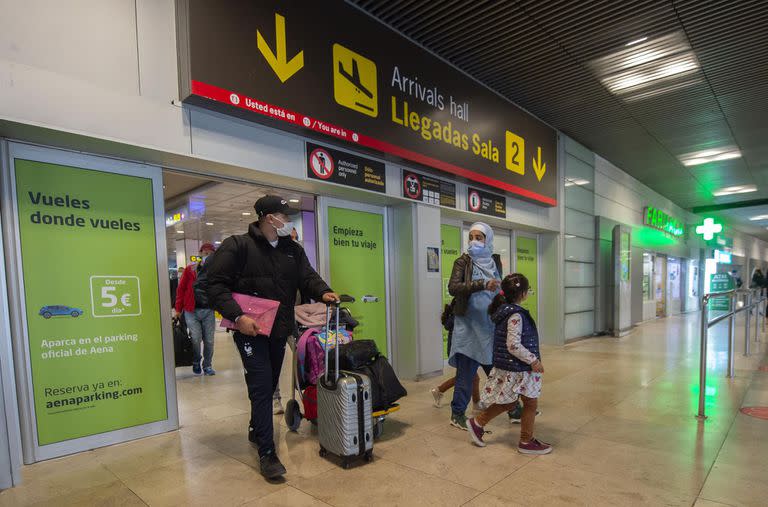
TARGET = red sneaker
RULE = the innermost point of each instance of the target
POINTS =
(534, 447)
(476, 432)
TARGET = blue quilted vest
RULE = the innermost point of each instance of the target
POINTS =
(530, 339)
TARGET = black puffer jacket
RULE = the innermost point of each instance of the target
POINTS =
(248, 264)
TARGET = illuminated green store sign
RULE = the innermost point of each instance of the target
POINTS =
(653, 217)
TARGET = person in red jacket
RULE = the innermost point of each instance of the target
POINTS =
(201, 322)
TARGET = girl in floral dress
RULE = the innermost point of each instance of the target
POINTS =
(517, 367)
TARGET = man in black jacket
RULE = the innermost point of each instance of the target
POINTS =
(265, 263)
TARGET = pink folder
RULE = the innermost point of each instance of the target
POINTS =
(263, 311)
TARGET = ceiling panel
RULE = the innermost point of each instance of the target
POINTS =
(549, 56)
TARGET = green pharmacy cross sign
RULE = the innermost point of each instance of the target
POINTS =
(709, 229)
(653, 217)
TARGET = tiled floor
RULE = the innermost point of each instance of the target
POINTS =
(620, 413)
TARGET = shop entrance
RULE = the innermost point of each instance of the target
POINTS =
(674, 286)
(355, 262)
(660, 285)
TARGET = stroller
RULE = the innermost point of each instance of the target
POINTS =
(303, 380)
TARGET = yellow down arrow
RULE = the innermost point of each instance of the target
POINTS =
(539, 168)
(279, 62)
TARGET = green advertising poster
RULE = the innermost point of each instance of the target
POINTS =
(450, 237)
(89, 259)
(356, 251)
(528, 265)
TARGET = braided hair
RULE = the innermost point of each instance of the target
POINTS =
(513, 288)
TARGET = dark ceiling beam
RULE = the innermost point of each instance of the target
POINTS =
(730, 205)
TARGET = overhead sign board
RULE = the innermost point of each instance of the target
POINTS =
(658, 219)
(340, 167)
(423, 188)
(331, 69)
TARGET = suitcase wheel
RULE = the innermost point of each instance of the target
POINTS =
(346, 464)
(323, 453)
(378, 428)
(369, 456)
(292, 415)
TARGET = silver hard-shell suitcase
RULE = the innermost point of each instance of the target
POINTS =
(344, 422)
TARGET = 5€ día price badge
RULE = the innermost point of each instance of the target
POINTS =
(115, 296)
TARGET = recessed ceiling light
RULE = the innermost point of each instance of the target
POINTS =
(294, 201)
(736, 189)
(646, 67)
(208, 223)
(576, 181)
(246, 214)
(711, 155)
(636, 41)
(759, 217)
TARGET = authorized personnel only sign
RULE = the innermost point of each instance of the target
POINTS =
(332, 69)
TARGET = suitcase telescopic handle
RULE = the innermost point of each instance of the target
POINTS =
(329, 308)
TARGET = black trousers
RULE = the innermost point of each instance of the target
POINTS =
(262, 360)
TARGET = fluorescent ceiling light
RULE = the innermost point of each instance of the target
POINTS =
(217, 242)
(246, 214)
(576, 181)
(759, 217)
(646, 67)
(710, 155)
(208, 223)
(636, 41)
(180, 232)
(569, 236)
(736, 189)
(294, 200)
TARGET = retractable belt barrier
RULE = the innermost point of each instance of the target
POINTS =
(754, 298)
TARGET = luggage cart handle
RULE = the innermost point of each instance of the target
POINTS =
(329, 308)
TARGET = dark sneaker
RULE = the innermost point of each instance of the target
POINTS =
(196, 369)
(459, 421)
(270, 465)
(209, 371)
(476, 433)
(534, 447)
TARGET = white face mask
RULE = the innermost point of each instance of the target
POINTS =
(285, 230)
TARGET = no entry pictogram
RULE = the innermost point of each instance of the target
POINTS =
(321, 163)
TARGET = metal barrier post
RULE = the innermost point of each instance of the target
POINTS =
(703, 356)
(747, 323)
(731, 336)
(758, 315)
(765, 311)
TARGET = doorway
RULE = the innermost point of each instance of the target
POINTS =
(354, 261)
(660, 285)
(674, 286)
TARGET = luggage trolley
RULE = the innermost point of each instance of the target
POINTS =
(293, 408)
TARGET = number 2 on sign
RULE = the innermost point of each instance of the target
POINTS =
(515, 153)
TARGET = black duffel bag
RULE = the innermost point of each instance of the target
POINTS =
(357, 353)
(182, 343)
(386, 389)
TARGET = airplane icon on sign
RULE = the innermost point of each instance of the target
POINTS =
(354, 78)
